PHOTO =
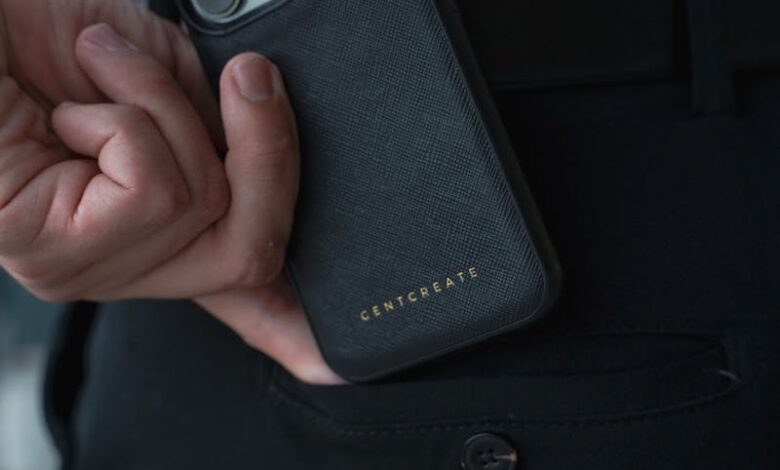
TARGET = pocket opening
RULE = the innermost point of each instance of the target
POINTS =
(677, 383)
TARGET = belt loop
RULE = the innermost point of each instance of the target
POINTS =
(712, 86)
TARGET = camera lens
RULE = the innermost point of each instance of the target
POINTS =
(217, 8)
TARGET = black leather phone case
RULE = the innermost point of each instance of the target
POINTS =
(415, 234)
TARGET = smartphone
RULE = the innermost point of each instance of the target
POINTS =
(415, 232)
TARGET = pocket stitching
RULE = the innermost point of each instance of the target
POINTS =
(384, 429)
(733, 373)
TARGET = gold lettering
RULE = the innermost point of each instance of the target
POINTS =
(413, 296)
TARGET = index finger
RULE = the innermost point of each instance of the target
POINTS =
(129, 76)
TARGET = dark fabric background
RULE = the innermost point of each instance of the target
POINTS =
(662, 354)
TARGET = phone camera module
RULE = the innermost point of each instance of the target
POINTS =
(216, 9)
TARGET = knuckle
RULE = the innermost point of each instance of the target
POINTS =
(278, 154)
(162, 203)
(258, 267)
(272, 162)
(156, 83)
(174, 199)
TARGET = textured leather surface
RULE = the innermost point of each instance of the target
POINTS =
(404, 183)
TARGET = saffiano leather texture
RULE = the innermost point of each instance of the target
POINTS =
(415, 234)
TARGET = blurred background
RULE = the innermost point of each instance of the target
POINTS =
(26, 327)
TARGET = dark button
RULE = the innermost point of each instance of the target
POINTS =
(487, 451)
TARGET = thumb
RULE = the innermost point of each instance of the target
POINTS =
(262, 164)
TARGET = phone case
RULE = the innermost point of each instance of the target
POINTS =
(415, 234)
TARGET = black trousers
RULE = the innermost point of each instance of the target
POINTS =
(650, 134)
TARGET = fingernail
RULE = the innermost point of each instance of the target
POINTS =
(67, 104)
(254, 78)
(104, 37)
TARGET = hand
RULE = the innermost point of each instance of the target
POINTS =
(110, 185)
(74, 227)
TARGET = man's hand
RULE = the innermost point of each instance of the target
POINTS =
(110, 184)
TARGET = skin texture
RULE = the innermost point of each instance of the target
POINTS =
(110, 182)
